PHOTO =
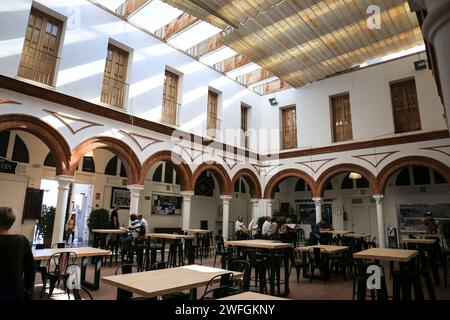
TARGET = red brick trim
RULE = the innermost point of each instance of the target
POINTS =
(252, 180)
(404, 162)
(118, 147)
(280, 176)
(219, 172)
(180, 166)
(51, 137)
(345, 167)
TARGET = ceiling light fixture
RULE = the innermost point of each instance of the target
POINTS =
(354, 176)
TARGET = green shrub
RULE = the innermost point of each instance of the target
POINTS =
(99, 219)
(47, 221)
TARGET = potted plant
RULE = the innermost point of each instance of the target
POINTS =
(99, 219)
(46, 223)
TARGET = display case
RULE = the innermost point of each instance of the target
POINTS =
(410, 216)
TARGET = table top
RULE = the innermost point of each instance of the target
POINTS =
(329, 249)
(357, 235)
(387, 254)
(419, 241)
(333, 231)
(165, 281)
(263, 244)
(168, 236)
(251, 296)
(45, 254)
(110, 231)
(198, 231)
(431, 235)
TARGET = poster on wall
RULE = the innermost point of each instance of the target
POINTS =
(166, 205)
(120, 196)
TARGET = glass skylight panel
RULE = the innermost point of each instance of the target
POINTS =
(111, 4)
(243, 70)
(218, 55)
(193, 35)
(154, 15)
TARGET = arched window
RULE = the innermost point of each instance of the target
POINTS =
(403, 178)
(123, 171)
(50, 160)
(329, 186)
(300, 186)
(88, 164)
(20, 151)
(111, 167)
(168, 173)
(421, 175)
(4, 141)
(362, 183)
(157, 175)
(204, 185)
(347, 183)
(438, 178)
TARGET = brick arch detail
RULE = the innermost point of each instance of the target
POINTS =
(252, 180)
(280, 176)
(119, 148)
(219, 172)
(404, 162)
(346, 167)
(46, 133)
(180, 166)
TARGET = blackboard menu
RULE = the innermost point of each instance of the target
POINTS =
(33, 204)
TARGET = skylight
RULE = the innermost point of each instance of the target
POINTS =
(111, 4)
(194, 35)
(395, 55)
(155, 15)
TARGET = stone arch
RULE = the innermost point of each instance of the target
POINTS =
(180, 166)
(50, 136)
(252, 180)
(345, 167)
(404, 162)
(280, 176)
(118, 147)
(220, 174)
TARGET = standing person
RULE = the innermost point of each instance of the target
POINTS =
(70, 228)
(17, 267)
(431, 224)
(115, 217)
(239, 228)
(321, 225)
(269, 228)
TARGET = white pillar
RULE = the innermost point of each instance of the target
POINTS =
(380, 219)
(225, 216)
(269, 207)
(318, 204)
(186, 208)
(436, 30)
(61, 208)
(135, 194)
(255, 209)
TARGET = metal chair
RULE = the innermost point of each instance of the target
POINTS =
(225, 285)
(61, 261)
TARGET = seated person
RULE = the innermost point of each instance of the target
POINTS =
(269, 228)
(287, 231)
(135, 231)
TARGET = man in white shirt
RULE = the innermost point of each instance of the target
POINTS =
(143, 222)
(266, 227)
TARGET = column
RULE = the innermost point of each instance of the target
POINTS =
(135, 194)
(186, 208)
(269, 207)
(318, 204)
(255, 209)
(380, 219)
(225, 216)
(436, 30)
(61, 208)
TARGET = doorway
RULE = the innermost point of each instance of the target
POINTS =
(81, 206)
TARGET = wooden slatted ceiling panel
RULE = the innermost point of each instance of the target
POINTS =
(302, 41)
(174, 27)
(131, 6)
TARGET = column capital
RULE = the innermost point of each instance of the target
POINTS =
(226, 197)
(187, 194)
(378, 198)
(437, 17)
(135, 187)
(254, 201)
(65, 178)
(317, 200)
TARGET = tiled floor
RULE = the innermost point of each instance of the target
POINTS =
(336, 289)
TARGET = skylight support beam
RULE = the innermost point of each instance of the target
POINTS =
(130, 7)
(177, 26)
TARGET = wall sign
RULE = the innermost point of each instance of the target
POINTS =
(32, 208)
(7, 166)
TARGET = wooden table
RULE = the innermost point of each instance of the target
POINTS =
(83, 252)
(329, 249)
(110, 231)
(199, 231)
(419, 241)
(103, 233)
(357, 235)
(402, 256)
(252, 296)
(156, 283)
(268, 245)
(333, 231)
(175, 238)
